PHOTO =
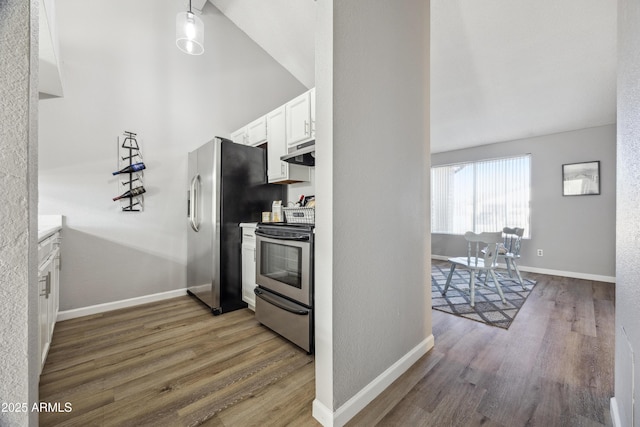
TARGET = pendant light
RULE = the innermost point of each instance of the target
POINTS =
(189, 33)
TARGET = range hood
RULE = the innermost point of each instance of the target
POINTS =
(302, 154)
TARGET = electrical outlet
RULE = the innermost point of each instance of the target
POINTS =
(540, 252)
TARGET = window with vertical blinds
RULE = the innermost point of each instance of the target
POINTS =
(481, 196)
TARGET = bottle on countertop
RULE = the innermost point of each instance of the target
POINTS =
(131, 168)
(131, 193)
(276, 211)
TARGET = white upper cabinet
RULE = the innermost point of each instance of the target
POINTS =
(312, 100)
(289, 125)
(299, 125)
(257, 131)
(277, 146)
(50, 78)
(277, 170)
(240, 136)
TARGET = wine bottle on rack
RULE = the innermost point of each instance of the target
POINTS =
(131, 193)
(131, 168)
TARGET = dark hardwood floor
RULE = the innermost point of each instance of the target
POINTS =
(172, 363)
(552, 367)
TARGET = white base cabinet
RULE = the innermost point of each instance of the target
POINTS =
(249, 264)
(48, 291)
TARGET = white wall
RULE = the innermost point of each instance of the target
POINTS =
(628, 218)
(123, 72)
(576, 234)
(307, 188)
(19, 367)
(372, 293)
(323, 405)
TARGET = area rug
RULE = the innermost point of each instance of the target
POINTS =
(489, 308)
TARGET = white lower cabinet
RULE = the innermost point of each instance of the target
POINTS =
(249, 264)
(43, 316)
(48, 291)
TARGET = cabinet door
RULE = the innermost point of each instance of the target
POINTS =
(299, 119)
(54, 294)
(239, 136)
(312, 109)
(249, 274)
(43, 315)
(277, 170)
(257, 131)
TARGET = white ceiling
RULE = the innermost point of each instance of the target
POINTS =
(283, 28)
(500, 69)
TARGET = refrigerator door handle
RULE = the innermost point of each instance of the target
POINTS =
(194, 221)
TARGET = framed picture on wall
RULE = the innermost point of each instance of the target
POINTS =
(581, 179)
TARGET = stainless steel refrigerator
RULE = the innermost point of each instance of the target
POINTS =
(227, 186)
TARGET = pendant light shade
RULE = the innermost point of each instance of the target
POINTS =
(189, 33)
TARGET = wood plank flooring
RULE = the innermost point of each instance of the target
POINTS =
(552, 367)
(172, 363)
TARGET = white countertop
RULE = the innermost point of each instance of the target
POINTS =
(248, 224)
(47, 225)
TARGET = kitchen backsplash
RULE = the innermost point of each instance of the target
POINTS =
(307, 188)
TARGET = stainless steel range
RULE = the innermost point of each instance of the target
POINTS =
(284, 274)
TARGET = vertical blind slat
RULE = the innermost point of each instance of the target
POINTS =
(481, 196)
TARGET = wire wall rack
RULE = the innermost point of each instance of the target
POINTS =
(130, 170)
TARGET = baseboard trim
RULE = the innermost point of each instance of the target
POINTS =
(371, 390)
(115, 305)
(615, 414)
(322, 414)
(572, 274)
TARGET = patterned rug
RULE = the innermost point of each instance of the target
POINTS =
(489, 308)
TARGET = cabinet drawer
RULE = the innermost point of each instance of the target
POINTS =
(291, 320)
(249, 236)
(46, 246)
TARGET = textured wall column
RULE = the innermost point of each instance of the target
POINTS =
(18, 209)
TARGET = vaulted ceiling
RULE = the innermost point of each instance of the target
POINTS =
(500, 70)
(283, 28)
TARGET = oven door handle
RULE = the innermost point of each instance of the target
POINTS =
(297, 238)
(280, 303)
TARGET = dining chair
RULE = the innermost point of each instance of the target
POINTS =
(510, 251)
(482, 251)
